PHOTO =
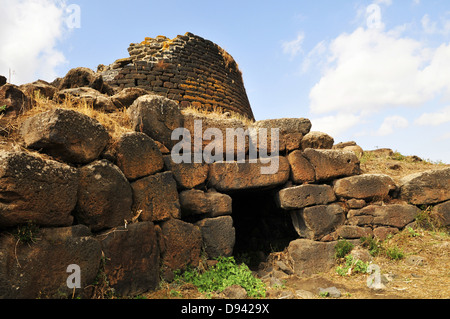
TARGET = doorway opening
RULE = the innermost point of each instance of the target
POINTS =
(261, 227)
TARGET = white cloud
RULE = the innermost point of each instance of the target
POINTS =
(390, 124)
(293, 47)
(369, 70)
(335, 124)
(372, 70)
(29, 32)
(314, 56)
(436, 118)
(433, 27)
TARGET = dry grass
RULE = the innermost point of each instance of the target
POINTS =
(427, 280)
(397, 166)
(116, 123)
(218, 113)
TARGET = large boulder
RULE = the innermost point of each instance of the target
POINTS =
(350, 146)
(85, 77)
(157, 117)
(426, 188)
(131, 258)
(218, 236)
(290, 134)
(13, 102)
(395, 215)
(353, 232)
(43, 88)
(104, 196)
(65, 134)
(311, 257)
(35, 189)
(317, 221)
(233, 176)
(332, 164)
(367, 186)
(442, 213)
(301, 169)
(317, 140)
(181, 244)
(87, 95)
(187, 175)
(126, 97)
(305, 195)
(137, 155)
(40, 269)
(155, 197)
(230, 136)
(198, 202)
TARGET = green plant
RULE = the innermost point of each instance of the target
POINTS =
(175, 293)
(3, 108)
(342, 248)
(412, 232)
(427, 220)
(222, 275)
(394, 253)
(352, 266)
(398, 157)
(27, 233)
(373, 245)
(366, 157)
(101, 285)
(324, 294)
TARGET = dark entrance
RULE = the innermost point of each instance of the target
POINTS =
(261, 226)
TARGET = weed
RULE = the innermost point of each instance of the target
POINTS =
(26, 233)
(352, 266)
(222, 275)
(324, 294)
(394, 253)
(412, 232)
(398, 157)
(102, 288)
(373, 245)
(3, 108)
(175, 293)
(342, 248)
(366, 157)
(427, 220)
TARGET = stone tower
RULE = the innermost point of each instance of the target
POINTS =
(188, 69)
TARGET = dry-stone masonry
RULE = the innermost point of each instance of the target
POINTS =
(187, 69)
(123, 209)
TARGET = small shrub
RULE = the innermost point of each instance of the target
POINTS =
(342, 248)
(324, 294)
(412, 232)
(394, 253)
(398, 157)
(373, 245)
(222, 275)
(352, 266)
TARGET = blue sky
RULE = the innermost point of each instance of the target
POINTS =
(373, 71)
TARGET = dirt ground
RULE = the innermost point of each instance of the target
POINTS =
(423, 273)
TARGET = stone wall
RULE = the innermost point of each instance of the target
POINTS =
(127, 211)
(188, 69)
